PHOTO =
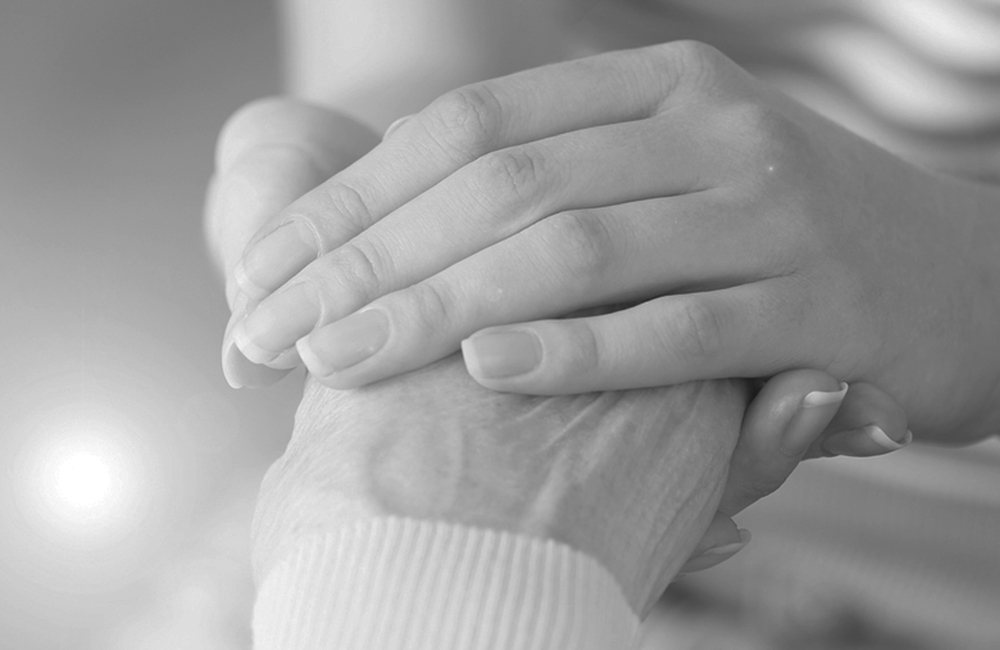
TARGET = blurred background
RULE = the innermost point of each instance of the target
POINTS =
(129, 467)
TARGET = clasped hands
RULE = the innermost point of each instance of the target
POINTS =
(753, 238)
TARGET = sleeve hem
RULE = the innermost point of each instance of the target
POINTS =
(394, 583)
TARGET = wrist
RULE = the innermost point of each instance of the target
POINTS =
(978, 290)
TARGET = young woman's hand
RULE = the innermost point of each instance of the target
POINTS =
(757, 236)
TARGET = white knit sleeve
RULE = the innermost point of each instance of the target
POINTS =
(395, 584)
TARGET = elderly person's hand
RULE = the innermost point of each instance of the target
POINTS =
(631, 478)
(761, 237)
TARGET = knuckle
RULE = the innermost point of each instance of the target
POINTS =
(771, 142)
(359, 267)
(246, 126)
(345, 205)
(694, 331)
(584, 242)
(433, 303)
(760, 122)
(509, 177)
(586, 355)
(694, 58)
(467, 121)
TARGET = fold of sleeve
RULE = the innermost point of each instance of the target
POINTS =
(395, 583)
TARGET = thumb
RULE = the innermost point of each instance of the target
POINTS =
(781, 423)
(807, 414)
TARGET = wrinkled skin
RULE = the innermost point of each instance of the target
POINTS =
(630, 478)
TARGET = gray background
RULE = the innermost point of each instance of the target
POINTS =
(108, 116)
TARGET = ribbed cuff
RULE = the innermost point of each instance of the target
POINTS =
(395, 584)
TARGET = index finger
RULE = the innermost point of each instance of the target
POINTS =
(458, 128)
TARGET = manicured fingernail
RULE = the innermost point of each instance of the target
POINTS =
(237, 369)
(813, 415)
(345, 343)
(714, 556)
(871, 440)
(502, 354)
(879, 437)
(276, 258)
(278, 322)
(240, 371)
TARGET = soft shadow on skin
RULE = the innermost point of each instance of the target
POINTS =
(630, 477)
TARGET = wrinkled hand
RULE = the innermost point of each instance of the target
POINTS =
(757, 236)
(632, 478)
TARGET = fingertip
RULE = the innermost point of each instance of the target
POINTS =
(819, 398)
(502, 355)
(785, 391)
(778, 429)
(716, 555)
(776, 404)
(471, 360)
(240, 372)
(312, 361)
(871, 440)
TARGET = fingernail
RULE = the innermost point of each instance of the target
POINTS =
(345, 343)
(714, 556)
(871, 440)
(237, 369)
(880, 438)
(502, 354)
(286, 360)
(813, 415)
(240, 371)
(276, 258)
(278, 322)
(395, 125)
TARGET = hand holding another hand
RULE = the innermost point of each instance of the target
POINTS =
(756, 236)
(775, 434)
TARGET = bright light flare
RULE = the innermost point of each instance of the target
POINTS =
(81, 483)
(83, 480)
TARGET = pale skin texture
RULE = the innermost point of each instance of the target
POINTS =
(631, 478)
(637, 175)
